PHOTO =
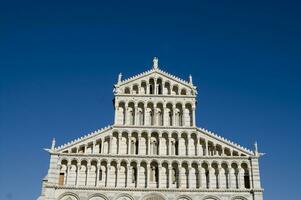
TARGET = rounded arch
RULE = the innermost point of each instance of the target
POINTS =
(97, 196)
(210, 197)
(184, 197)
(239, 198)
(124, 196)
(67, 195)
(151, 196)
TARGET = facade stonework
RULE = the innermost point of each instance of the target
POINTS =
(154, 151)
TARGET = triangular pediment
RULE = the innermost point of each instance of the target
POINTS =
(102, 137)
(156, 75)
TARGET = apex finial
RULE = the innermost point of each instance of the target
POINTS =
(53, 144)
(256, 148)
(119, 77)
(190, 79)
(155, 63)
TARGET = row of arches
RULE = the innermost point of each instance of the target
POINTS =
(155, 143)
(155, 174)
(157, 86)
(154, 114)
(150, 196)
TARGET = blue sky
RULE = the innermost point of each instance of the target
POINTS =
(59, 61)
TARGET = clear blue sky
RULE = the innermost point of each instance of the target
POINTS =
(59, 61)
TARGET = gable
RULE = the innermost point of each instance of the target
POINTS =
(209, 144)
(145, 83)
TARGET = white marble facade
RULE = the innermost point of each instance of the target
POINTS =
(154, 151)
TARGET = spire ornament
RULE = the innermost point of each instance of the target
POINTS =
(53, 144)
(119, 77)
(190, 80)
(155, 63)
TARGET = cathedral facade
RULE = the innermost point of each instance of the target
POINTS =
(153, 151)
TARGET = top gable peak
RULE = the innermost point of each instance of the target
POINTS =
(155, 63)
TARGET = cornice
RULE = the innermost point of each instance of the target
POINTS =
(224, 140)
(83, 138)
(159, 71)
(156, 95)
(152, 189)
(150, 157)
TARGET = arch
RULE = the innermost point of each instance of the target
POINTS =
(68, 195)
(151, 86)
(153, 196)
(124, 196)
(169, 114)
(143, 87)
(183, 197)
(210, 197)
(159, 88)
(166, 89)
(127, 90)
(188, 115)
(159, 114)
(150, 114)
(135, 89)
(175, 90)
(98, 196)
(178, 115)
(131, 113)
(183, 91)
(239, 198)
(141, 113)
(121, 113)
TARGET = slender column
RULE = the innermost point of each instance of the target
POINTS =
(147, 88)
(199, 176)
(119, 143)
(117, 174)
(188, 145)
(138, 175)
(85, 148)
(107, 174)
(97, 175)
(77, 173)
(240, 178)
(147, 175)
(93, 150)
(207, 150)
(136, 115)
(116, 113)
(189, 176)
(169, 175)
(129, 143)
(180, 176)
(169, 145)
(68, 174)
(148, 144)
(160, 144)
(144, 113)
(155, 116)
(139, 145)
(198, 145)
(159, 174)
(193, 116)
(205, 147)
(126, 114)
(219, 176)
(164, 112)
(174, 115)
(155, 86)
(183, 116)
(128, 175)
(88, 174)
(211, 176)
